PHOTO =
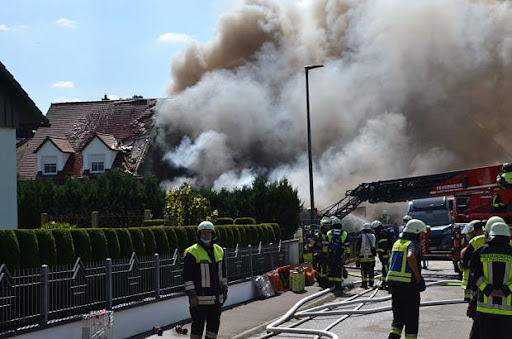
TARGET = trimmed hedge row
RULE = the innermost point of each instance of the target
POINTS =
(59, 247)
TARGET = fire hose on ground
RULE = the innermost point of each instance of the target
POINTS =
(274, 328)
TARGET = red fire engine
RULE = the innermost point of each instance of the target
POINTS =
(471, 190)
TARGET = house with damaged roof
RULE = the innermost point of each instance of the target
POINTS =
(19, 117)
(86, 138)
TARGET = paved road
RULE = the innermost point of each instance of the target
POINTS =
(447, 321)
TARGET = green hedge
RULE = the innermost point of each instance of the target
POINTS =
(47, 247)
(29, 246)
(278, 232)
(162, 243)
(173, 239)
(153, 222)
(224, 221)
(182, 238)
(149, 241)
(245, 221)
(9, 250)
(191, 235)
(82, 244)
(125, 242)
(243, 236)
(99, 244)
(113, 246)
(237, 237)
(65, 247)
(139, 247)
(221, 235)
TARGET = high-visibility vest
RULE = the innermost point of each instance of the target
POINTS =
(507, 176)
(206, 295)
(325, 241)
(475, 243)
(399, 269)
(494, 305)
(336, 239)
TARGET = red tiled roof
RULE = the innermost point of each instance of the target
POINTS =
(62, 144)
(125, 121)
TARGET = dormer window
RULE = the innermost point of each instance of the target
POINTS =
(97, 163)
(49, 165)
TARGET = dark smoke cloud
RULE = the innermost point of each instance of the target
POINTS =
(408, 88)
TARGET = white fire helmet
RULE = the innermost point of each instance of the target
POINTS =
(470, 227)
(335, 220)
(415, 226)
(499, 228)
(205, 225)
(406, 218)
(376, 224)
(367, 226)
(490, 222)
(325, 221)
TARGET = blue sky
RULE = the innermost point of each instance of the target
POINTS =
(80, 50)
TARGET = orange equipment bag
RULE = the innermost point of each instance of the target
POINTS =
(309, 274)
(275, 281)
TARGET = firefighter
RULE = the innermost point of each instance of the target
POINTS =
(504, 178)
(337, 243)
(491, 271)
(383, 249)
(365, 249)
(498, 206)
(206, 283)
(321, 252)
(471, 230)
(405, 281)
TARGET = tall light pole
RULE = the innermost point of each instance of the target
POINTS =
(310, 158)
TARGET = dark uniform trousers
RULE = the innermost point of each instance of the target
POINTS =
(494, 327)
(406, 312)
(368, 273)
(205, 313)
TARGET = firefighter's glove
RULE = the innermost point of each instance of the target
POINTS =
(471, 310)
(422, 285)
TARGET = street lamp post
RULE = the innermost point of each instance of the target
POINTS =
(310, 158)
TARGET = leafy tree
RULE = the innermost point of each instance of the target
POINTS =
(183, 206)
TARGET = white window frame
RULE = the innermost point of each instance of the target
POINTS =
(49, 160)
(96, 160)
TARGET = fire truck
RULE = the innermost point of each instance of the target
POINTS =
(469, 193)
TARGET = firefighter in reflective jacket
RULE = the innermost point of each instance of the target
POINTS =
(366, 252)
(491, 271)
(321, 255)
(383, 249)
(504, 178)
(206, 284)
(473, 229)
(405, 281)
(337, 243)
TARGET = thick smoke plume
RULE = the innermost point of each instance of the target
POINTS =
(408, 88)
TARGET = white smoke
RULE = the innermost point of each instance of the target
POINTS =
(408, 88)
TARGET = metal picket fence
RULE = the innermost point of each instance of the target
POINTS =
(43, 295)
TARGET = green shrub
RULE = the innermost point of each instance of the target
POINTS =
(138, 241)
(173, 239)
(255, 235)
(47, 247)
(162, 243)
(272, 237)
(58, 226)
(99, 244)
(27, 241)
(125, 243)
(231, 237)
(153, 222)
(191, 235)
(181, 238)
(277, 231)
(243, 236)
(220, 235)
(264, 234)
(9, 250)
(245, 221)
(82, 244)
(237, 238)
(224, 221)
(113, 245)
(149, 241)
(65, 247)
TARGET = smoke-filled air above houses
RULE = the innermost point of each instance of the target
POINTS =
(408, 88)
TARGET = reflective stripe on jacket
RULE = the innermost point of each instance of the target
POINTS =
(205, 274)
(365, 244)
(399, 269)
(473, 245)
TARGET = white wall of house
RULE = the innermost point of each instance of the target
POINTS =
(8, 185)
(95, 151)
(48, 151)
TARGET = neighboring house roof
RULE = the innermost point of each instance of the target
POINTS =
(124, 124)
(28, 116)
(62, 145)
